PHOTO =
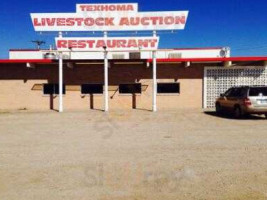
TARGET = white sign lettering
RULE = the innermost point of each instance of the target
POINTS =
(122, 7)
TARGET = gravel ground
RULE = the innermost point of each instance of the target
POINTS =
(132, 155)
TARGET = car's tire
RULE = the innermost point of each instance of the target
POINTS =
(265, 115)
(218, 109)
(238, 113)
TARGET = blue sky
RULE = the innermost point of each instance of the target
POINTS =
(239, 24)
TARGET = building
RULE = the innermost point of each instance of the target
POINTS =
(184, 80)
(119, 72)
(213, 52)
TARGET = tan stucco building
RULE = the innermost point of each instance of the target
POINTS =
(21, 82)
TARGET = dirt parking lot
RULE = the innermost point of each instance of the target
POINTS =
(132, 155)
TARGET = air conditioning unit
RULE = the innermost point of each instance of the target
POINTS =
(64, 56)
(135, 55)
(49, 56)
(225, 52)
(118, 56)
(175, 55)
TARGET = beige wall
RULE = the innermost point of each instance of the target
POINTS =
(18, 89)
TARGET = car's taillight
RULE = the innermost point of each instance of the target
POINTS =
(247, 102)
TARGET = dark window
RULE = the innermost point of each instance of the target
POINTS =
(168, 88)
(243, 92)
(52, 89)
(227, 92)
(57, 89)
(233, 92)
(135, 55)
(92, 89)
(48, 89)
(130, 88)
(237, 92)
(256, 91)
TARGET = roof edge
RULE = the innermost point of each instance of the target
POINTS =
(181, 49)
(26, 61)
(166, 60)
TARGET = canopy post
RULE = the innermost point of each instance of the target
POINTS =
(154, 93)
(60, 85)
(106, 106)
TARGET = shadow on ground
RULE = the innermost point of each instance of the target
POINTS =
(230, 116)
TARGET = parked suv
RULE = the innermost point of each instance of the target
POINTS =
(243, 100)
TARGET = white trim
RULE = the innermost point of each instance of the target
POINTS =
(60, 82)
(154, 99)
(155, 86)
(205, 88)
(60, 109)
(106, 91)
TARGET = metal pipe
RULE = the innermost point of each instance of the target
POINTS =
(106, 108)
(60, 85)
(154, 95)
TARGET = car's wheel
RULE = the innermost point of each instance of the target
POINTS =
(218, 109)
(238, 113)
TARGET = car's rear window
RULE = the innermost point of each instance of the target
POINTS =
(257, 91)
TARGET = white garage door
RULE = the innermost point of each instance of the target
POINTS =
(219, 79)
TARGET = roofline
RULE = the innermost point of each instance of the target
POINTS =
(25, 49)
(166, 60)
(25, 61)
(198, 48)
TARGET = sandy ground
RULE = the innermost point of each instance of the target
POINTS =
(132, 155)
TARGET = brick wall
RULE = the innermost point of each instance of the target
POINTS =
(20, 86)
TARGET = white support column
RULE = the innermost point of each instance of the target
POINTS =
(60, 103)
(154, 95)
(106, 106)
